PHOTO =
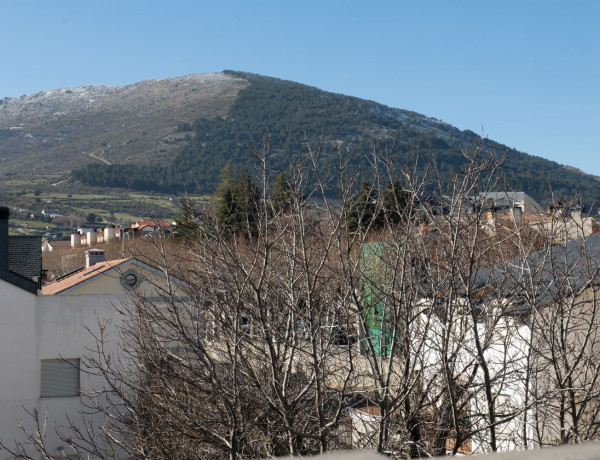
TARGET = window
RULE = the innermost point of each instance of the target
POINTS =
(60, 378)
(130, 279)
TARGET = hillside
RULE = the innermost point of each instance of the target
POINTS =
(177, 134)
(58, 130)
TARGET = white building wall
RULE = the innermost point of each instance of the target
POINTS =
(92, 237)
(506, 356)
(36, 327)
(61, 328)
(18, 361)
(75, 240)
(44, 327)
(109, 234)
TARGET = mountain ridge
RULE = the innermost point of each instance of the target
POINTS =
(177, 133)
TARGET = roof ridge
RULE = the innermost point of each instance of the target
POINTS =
(82, 274)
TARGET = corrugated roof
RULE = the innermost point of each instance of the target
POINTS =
(80, 276)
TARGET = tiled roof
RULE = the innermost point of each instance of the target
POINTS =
(80, 276)
(25, 256)
(161, 223)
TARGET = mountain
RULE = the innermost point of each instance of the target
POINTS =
(58, 130)
(177, 134)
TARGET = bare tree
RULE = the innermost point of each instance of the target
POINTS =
(392, 314)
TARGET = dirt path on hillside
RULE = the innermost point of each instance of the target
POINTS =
(98, 158)
(60, 181)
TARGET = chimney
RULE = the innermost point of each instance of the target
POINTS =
(4, 212)
(75, 240)
(93, 257)
(92, 237)
(517, 213)
(109, 234)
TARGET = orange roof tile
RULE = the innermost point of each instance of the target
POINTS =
(80, 276)
(161, 223)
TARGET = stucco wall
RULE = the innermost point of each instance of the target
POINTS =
(18, 363)
(43, 327)
(52, 326)
(109, 282)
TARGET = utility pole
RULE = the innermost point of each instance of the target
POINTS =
(122, 239)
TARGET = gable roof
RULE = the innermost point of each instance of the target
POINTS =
(82, 275)
(152, 223)
(509, 199)
(573, 265)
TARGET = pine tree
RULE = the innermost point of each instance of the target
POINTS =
(363, 213)
(281, 198)
(188, 223)
(395, 201)
(237, 203)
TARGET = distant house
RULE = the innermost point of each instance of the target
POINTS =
(149, 226)
(47, 247)
(505, 202)
(554, 293)
(90, 236)
(85, 229)
(566, 221)
(51, 213)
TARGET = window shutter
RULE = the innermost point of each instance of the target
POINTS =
(60, 378)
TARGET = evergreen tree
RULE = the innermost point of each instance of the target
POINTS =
(374, 210)
(364, 213)
(237, 203)
(227, 180)
(188, 223)
(395, 201)
(281, 198)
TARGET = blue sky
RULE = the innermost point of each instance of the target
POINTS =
(526, 74)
